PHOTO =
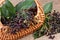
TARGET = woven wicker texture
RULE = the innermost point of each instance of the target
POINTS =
(40, 15)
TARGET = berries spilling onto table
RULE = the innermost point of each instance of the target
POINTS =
(50, 27)
(55, 22)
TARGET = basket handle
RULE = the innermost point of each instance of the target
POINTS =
(39, 8)
(39, 5)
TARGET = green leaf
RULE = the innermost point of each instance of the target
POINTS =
(39, 32)
(25, 5)
(36, 34)
(48, 7)
(8, 10)
(0, 13)
(4, 11)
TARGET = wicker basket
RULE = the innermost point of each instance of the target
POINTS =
(40, 15)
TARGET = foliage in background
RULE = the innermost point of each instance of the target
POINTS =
(43, 29)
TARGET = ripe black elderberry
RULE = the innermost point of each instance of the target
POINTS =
(22, 20)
